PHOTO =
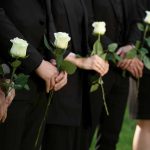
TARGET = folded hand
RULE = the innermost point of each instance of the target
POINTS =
(5, 103)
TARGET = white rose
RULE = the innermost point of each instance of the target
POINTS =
(147, 18)
(19, 48)
(61, 40)
(99, 28)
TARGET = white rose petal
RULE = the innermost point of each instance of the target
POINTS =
(61, 40)
(147, 18)
(19, 48)
(99, 28)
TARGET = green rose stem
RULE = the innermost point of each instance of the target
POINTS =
(103, 91)
(100, 53)
(10, 83)
(104, 98)
(50, 96)
(145, 33)
(102, 88)
(58, 54)
(14, 65)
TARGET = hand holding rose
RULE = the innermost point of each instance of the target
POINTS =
(90, 63)
(136, 68)
(5, 103)
(134, 65)
(124, 64)
(48, 73)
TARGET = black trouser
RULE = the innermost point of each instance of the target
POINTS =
(20, 130)
(116, 91)
(58, 137)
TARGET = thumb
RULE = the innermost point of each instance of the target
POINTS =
(47, 86)
(119, 51)
(53, 62)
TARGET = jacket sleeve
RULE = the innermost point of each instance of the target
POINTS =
(9, 31)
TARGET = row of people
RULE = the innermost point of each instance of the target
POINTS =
(74, 112)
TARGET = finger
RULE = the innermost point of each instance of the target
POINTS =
(2, 96)
(60, 77)
(107, 68)
(138, 68)
(1, 113)
(140, 71)
(52, 83)
(135, 71)
(132, 72)
(102, 74)
(119, 51)
(140, 63)
(47, 83)
(4, 117)
(61, 84)
(10, 97)
(53, 62)
(121, 64)
(127, 64)
(98, 69)
(101, 64)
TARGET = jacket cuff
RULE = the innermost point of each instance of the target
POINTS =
(33, 60)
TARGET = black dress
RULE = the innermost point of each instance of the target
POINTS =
(64, 118)
(142, 111)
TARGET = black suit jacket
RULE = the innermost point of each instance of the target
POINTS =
(106, 10)
(66, 107)
(29, 20)
(142, 6)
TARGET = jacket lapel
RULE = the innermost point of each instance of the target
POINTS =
(72, 21)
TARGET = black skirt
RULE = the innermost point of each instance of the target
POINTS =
(143, 102)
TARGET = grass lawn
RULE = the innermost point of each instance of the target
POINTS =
(126, 136)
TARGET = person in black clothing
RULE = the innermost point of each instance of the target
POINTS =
(120, 18)
(64, 121)
(142, 114)
(28, 20)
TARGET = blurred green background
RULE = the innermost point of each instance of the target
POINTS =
(127, 132)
